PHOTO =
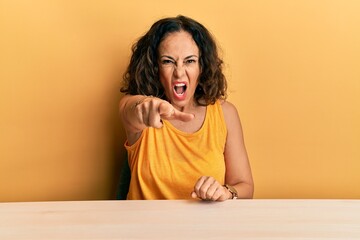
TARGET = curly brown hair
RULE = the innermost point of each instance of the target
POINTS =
(142, 77)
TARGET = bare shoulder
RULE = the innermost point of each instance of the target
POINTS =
(231, 117)
(229, 110)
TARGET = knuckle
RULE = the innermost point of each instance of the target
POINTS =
(138, 109)
(202, 191)
(202, 178)
(151, 102)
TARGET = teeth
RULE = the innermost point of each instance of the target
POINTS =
(180, 88)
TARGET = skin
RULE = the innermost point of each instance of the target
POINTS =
(179, 64)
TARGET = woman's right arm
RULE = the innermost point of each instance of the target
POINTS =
(130, 117)
(138, 112)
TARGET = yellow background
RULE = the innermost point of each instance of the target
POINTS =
(293, 69)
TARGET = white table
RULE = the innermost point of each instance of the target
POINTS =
(181, 219)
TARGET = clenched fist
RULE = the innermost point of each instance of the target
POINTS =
(208, 188)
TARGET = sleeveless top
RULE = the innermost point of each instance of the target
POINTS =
(166, 163)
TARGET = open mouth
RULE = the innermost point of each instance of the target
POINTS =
(180, 89)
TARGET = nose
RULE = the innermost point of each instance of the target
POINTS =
(179, 71)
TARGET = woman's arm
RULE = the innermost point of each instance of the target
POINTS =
(238, 171)
(138, 112)
(132, 123)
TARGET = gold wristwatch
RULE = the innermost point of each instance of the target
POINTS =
(232, 190)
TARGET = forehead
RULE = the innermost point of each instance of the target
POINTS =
(178, 42)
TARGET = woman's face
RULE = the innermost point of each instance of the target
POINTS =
(179, 68)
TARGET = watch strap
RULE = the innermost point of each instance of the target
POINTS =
(232, 190)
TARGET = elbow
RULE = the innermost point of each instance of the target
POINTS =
(249, 191)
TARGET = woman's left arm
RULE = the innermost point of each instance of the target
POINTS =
(238, 171)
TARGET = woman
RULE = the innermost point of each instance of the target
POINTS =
(183, 138)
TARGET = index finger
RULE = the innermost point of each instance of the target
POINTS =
(168, 112)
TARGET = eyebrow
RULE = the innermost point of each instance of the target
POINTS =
(167, 56)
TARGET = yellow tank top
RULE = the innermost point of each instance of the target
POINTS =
(165, 163)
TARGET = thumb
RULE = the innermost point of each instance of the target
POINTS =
(194, 195)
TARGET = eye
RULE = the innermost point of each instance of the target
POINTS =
(166, 61)
(190, 61)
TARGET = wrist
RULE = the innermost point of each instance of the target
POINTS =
(233, 194)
